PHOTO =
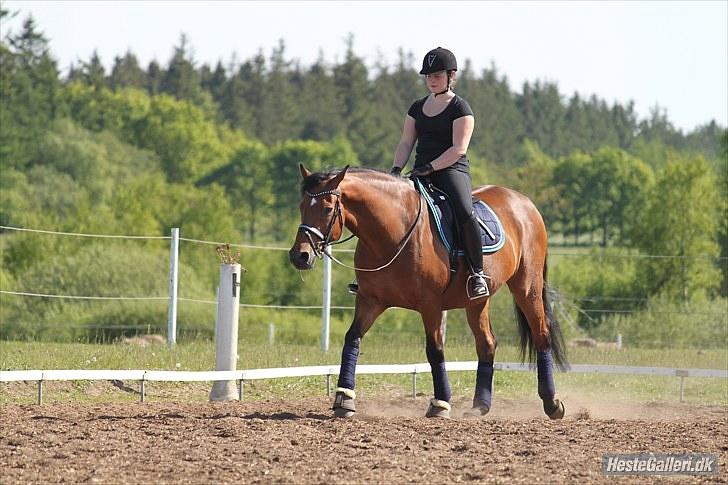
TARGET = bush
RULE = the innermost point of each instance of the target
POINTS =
(665, 323)
(120, 268)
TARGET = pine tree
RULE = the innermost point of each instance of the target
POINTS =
(93, 72)
(180, 79)
(353, 88)
(624, 120)
(154, 78)
(29, 93)
(321, 120)
(277, 112)
(498, 124)
(215, 83)
(544, 116)
(126, 73)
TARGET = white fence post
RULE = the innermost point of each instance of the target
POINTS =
(173, 285)
(226, 330)
(325, 318)
(443, 324)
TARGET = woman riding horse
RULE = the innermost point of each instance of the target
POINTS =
(400, 262)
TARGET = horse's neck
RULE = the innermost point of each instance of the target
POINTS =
(379, 213)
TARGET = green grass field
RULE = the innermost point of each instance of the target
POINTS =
(199, 355)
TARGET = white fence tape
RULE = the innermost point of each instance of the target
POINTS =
(241, 376)
(328, 370)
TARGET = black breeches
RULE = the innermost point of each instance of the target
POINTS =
(458, 186)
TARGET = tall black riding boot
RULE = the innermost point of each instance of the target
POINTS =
(477, 286)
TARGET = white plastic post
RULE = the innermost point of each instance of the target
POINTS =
(226, 331)
(173, 285)
(443, 323)
(325, 318)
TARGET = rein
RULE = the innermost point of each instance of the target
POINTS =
(324, 238)
(402, 245)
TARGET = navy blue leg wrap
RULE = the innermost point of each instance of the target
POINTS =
(544, 364)
(436, 358)
(484, 385)
(349, 356)
(440, 382)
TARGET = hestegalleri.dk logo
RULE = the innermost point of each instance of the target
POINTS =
(659, 464)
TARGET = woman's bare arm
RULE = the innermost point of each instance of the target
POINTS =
(406, 143)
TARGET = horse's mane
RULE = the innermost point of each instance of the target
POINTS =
(370, 174)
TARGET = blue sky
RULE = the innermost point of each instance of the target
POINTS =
(674, 53)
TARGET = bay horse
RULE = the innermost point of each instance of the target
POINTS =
(401, 262)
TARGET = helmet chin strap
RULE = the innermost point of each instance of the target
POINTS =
(449, 79)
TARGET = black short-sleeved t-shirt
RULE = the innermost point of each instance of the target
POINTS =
(434, 133)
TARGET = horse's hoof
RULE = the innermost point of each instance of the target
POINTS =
(557, 412)
(438, 409)
(476, 412)
(344, 403)
(343, 413)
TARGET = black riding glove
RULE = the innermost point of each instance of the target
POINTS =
(423, 170)
(396, 171)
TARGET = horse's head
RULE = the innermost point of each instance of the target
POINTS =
(322, 221)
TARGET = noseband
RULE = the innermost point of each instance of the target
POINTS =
(324, 238)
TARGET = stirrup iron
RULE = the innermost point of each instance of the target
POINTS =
(467, 285)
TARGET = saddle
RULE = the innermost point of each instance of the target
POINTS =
(492, 235)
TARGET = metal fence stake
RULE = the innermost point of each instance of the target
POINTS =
(40, 392)
(414, 385)
(142, 390)
(328, 385)
(682, 374)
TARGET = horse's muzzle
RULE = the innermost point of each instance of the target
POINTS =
(301, 259)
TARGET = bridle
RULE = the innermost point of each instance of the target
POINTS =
(324, 238)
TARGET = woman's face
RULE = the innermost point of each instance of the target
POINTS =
(436, 81)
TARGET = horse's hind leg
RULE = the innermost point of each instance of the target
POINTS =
(439, 406)
(365, 313)
(528, 292)
(485, 344)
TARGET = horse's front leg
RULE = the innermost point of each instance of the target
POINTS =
(485, 344)
(365, 312)
(440, 405)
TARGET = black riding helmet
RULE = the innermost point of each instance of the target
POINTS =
(439, 59)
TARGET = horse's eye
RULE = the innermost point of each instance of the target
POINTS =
(327, 210)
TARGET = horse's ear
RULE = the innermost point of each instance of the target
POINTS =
(340, 176)
(304, 171)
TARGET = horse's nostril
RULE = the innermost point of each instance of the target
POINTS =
(303, 257)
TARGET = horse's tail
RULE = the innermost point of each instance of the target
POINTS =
(558, 349)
